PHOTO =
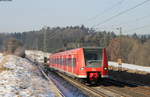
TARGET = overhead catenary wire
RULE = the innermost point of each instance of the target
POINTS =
(121, 13)
(129, 22)
(137, 28)
(135, 20)
(106, 10)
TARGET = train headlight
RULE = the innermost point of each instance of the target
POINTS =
(105, 68)
(82, 68)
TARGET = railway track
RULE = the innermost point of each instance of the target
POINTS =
(130, 90)
(108, 88)
(81, 88)
(43, 73)
(94, 91)
(87, 91)
(66, 89)
(113, 88)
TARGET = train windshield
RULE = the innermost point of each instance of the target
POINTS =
(93, 57)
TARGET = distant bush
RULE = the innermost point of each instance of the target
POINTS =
(14, 46)
(130, 50)
(142, 54)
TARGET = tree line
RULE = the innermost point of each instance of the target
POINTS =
(131, 48)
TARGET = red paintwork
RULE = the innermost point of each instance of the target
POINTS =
(76, 71)
(93, 76)
(105, 62)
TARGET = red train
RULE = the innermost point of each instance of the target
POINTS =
(86, 63)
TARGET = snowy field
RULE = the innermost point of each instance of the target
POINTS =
(19, 78)
(1, 55)
(131, 66)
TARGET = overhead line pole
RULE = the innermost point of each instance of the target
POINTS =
(45, 49)
(119, 60)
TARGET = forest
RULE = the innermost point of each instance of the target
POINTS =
(133, 48)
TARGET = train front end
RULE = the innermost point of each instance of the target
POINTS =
(96, 63)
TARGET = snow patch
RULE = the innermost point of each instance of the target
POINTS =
(1, 55)
(38, 55)
(130, 66)
(19, 78)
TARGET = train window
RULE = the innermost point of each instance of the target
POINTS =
(52, 61)
(58, 61)
(55, 60)
(61, 60)
(93, 57)
(69, 62)
(74, 62)
(64, 61)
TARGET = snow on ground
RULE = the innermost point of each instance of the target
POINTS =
(130, 66)
(19, 78)
(1, 55)
(38, 55)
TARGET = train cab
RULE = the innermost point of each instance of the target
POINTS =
(96, 65)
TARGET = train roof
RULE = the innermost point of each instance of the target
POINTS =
(75, 50)
(93, 47)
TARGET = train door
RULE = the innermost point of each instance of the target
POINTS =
(69, 63)
(74, 63)
(61, 64)
(58, 62)
(64, 63)
(67, 66)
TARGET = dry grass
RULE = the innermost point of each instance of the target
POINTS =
(2, 62)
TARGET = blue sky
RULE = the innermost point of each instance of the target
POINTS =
(26, 15)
